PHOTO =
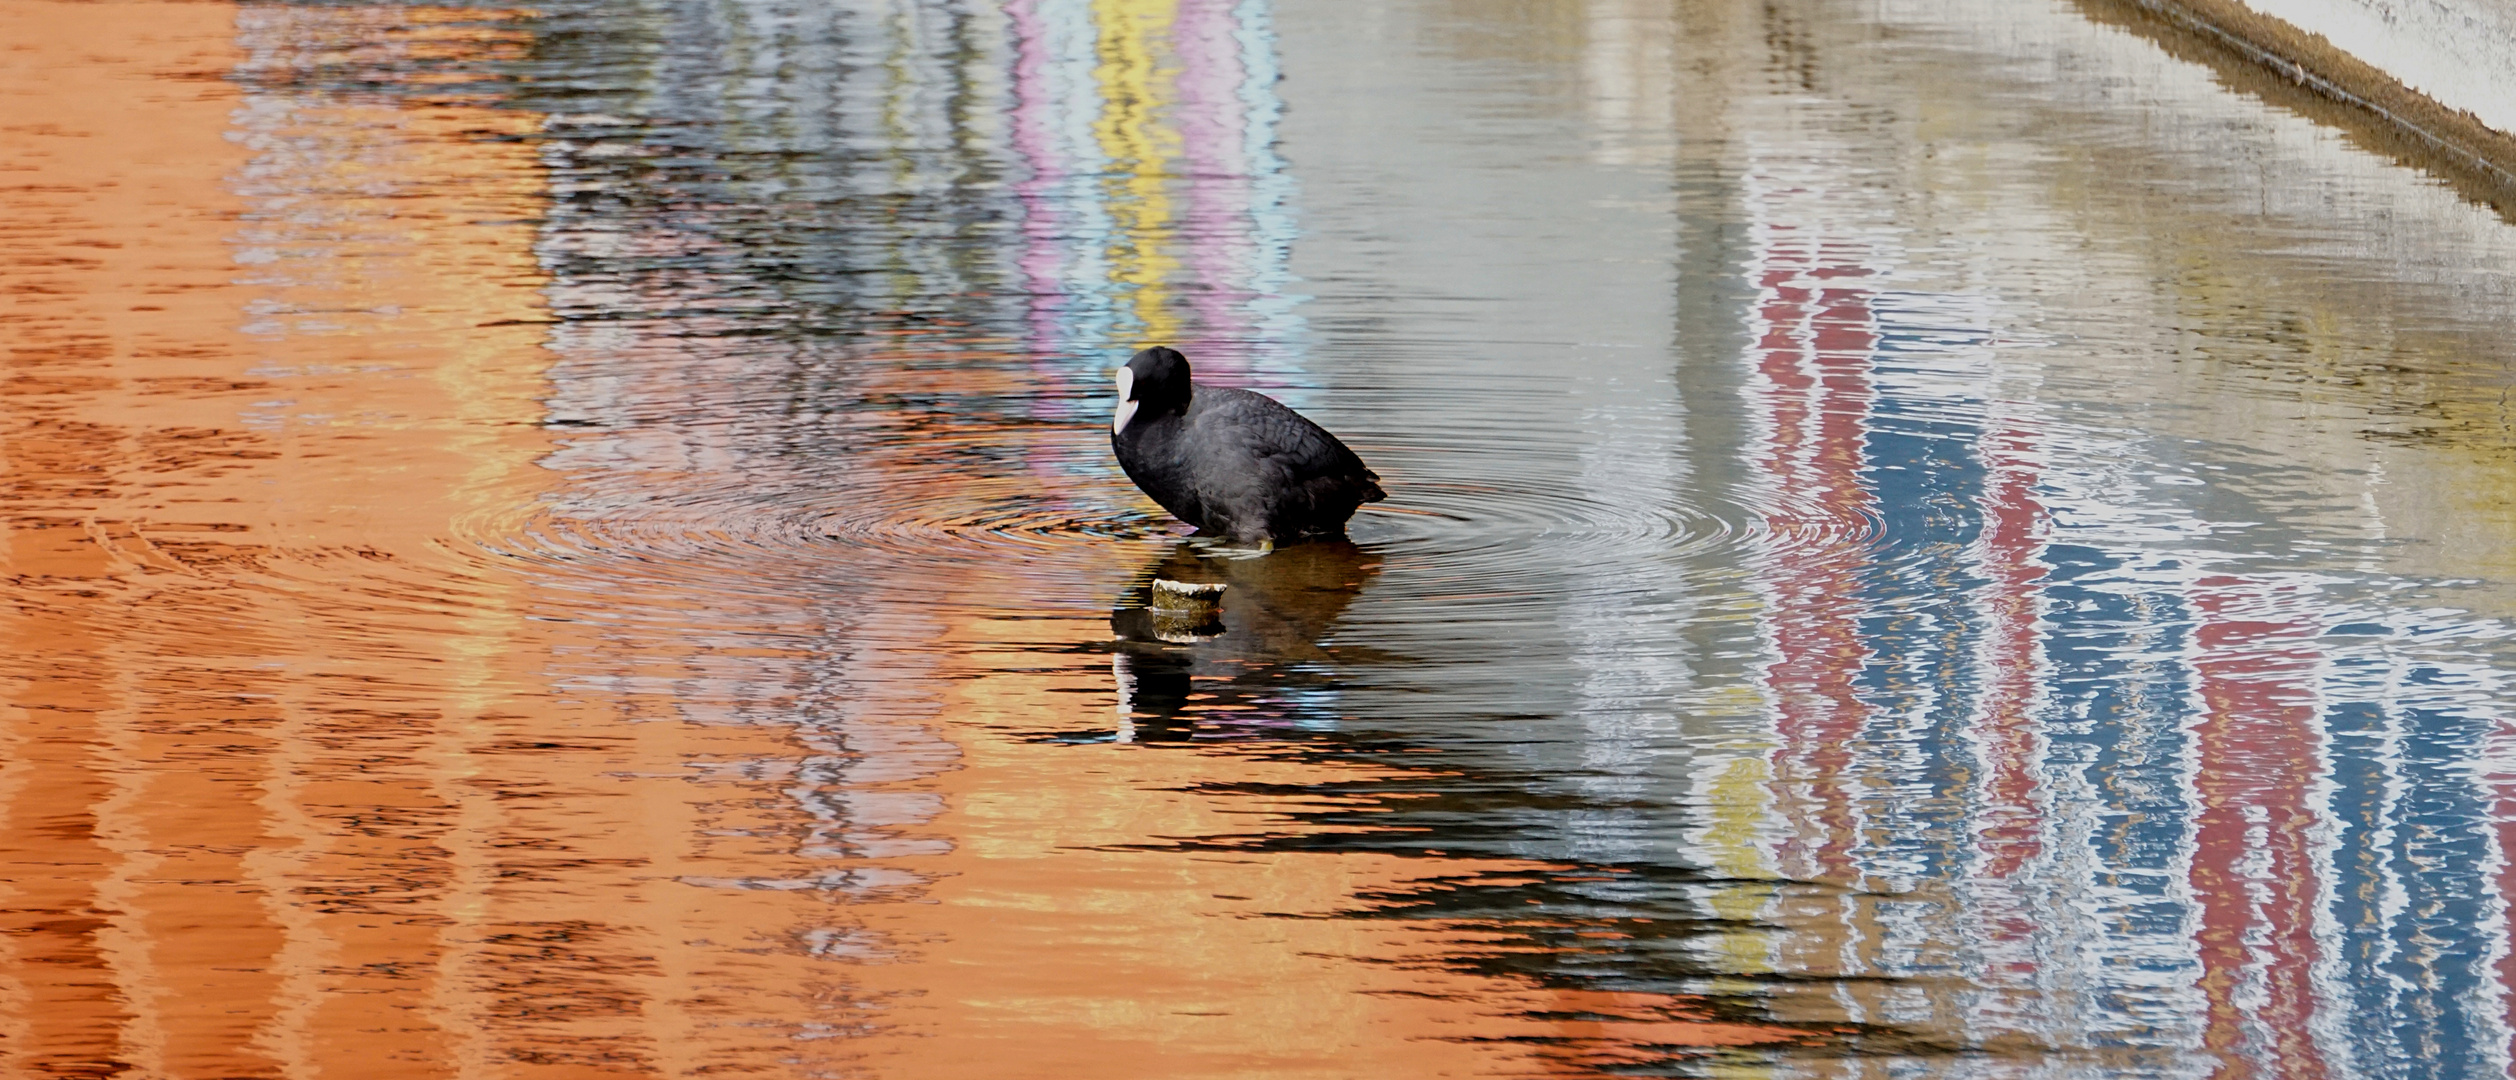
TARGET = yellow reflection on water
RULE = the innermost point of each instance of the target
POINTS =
(1136, 86)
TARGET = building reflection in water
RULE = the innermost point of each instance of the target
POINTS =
(916, 398)
(595, 551)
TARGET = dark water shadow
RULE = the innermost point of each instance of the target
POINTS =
(1261, 670)
(1239, 663)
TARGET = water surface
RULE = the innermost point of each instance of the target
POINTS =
(1925, 539)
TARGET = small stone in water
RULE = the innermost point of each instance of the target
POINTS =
(1169, 593)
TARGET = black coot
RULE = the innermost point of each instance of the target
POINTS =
(1231, 462)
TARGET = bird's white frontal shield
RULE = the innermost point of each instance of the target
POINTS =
(1126, 406)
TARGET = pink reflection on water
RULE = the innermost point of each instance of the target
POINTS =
(1046, 239)
(1064, 252)
(1213, 127)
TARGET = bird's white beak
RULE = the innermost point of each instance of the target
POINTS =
(1126, 408)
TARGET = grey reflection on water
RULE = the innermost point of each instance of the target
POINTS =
(1911, 581)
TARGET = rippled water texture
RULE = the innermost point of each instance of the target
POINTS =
(1925, 539)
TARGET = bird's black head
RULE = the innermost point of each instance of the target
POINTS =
(1155, 381)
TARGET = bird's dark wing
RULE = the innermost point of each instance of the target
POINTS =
(1276, 457)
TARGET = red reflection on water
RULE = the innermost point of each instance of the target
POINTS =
(2011, 806)
(1813, 359)
(2254, 872)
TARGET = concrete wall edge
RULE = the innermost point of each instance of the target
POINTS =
(2275, 60)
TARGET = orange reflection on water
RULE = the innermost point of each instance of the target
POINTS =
(1058, 951)
(242, 699)
(291, 788)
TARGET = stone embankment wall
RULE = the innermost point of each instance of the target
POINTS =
(2460, 53)
(2433, 81)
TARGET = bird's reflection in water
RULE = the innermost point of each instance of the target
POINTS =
(1241, 659)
